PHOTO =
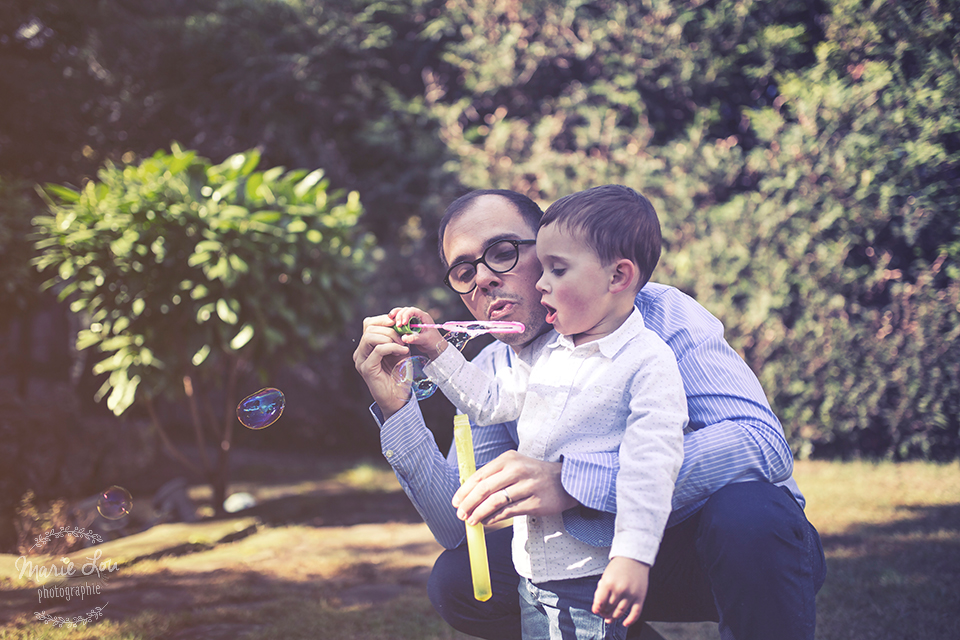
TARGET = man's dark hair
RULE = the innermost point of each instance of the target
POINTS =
(616, 221)
(528, 209)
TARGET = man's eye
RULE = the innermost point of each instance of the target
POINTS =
(464, 273)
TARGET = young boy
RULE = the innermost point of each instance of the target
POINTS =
(605, 385)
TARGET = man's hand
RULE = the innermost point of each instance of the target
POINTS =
(379, 351)
(622, 590)
(512, 485)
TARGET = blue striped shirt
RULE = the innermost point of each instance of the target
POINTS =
(732, 436)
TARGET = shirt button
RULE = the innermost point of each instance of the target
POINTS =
(388, 453)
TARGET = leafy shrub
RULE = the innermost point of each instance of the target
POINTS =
(188, 274)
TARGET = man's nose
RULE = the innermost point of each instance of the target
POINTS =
(487, 278)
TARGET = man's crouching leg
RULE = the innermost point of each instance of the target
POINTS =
(451, 591)
(764, 562)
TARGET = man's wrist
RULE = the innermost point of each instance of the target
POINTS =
(384, 410)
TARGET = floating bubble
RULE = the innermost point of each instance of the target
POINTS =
(261, 409)
(409, 372)
(114, 503)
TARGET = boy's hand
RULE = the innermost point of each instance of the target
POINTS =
(428, 340)
(622, 590)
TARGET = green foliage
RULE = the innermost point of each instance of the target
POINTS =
(805, 168)
(802, 157)
(182, 268)
(309, 83)
(548, 98)
(837, 274)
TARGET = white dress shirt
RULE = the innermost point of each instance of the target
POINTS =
(732, 436)
(621, 395)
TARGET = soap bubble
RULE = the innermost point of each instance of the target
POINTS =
(409, 372)
(261, 409)
(114, 503)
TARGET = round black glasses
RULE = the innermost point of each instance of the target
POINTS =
(499, 257)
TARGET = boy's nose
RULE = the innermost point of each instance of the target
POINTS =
(541, 284)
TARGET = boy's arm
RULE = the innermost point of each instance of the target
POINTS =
(486, 397)
(650, 455)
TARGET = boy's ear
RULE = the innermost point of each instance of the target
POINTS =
(624, 275)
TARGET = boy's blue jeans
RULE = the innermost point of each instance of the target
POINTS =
(748, 557)
(560, 610)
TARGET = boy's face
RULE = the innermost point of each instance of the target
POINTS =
(574, 285)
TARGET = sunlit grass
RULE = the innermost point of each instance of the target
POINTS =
(891, 534)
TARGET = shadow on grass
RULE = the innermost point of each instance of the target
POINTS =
(343, 509)
(894, 580)
(360, 600)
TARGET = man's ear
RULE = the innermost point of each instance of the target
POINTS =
(624, 275)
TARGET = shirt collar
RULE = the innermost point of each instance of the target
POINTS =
(611, 344)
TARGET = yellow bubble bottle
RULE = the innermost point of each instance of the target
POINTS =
(476, 543)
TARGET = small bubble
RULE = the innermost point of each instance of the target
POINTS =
(114, 503)
(261, 409)
(409, 372)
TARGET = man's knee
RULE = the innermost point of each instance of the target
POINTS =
(450, 589)
(763, 559)
(750, 521)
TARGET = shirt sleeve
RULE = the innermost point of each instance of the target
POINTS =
(427, 476)
(486, 397)
(650, 456)
(733, 435)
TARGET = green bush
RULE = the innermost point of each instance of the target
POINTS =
(187, 274)
(805, 167)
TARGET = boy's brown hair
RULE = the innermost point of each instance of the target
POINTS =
(616, 221)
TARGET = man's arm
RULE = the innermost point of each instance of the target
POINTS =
(427, 477)
(733, 434)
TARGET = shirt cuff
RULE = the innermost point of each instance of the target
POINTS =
(641, 547)
(591, 479)
(402, 431)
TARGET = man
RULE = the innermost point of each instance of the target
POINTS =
(737, 549)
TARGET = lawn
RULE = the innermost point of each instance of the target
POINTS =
(340, 554)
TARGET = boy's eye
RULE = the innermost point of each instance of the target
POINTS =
(557, 271)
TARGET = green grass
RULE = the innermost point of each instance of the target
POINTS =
(891, 535)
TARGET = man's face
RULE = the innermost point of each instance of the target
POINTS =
(509, 296)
